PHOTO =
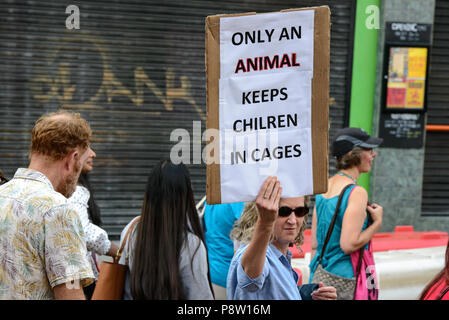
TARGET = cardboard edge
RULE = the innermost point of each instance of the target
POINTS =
(212, 61)
(320, 102)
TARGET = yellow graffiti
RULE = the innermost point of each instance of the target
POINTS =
(45, 88)
(62, 80)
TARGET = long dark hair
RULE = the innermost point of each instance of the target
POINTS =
(443, 274)
(168, 213)
(3, 179)
(94, 209)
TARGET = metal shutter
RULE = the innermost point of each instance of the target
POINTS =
(135, 71)
(435, 201)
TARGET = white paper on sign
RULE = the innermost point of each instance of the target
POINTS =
(266, 69)
(242, 182)
(265, 138)
(272, 95)
(266, 43)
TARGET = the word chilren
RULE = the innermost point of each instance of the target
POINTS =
(268, 122)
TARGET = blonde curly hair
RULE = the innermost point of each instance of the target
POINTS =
(244, 227)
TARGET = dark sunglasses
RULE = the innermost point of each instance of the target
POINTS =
(299, 211)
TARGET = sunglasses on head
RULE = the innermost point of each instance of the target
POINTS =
(299, 211)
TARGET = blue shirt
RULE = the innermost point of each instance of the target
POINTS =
(334, 260)
(218, 222)
(278, 280)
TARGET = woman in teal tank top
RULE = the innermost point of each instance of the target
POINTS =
(335, 260)
(353, 149)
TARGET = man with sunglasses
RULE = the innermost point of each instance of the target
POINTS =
(262, 269)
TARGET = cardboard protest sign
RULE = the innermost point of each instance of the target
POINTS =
(268, 99)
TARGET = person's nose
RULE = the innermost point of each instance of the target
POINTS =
(292, 218)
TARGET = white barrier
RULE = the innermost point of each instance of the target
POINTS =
(402, 274)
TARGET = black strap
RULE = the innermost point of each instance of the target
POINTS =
(334, 218)
(359, 266)
(443, 293)
(370, 221)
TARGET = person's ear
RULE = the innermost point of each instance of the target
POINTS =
(71, 159)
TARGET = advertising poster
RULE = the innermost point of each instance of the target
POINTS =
(406, 78)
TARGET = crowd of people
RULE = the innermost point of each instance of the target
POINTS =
(51, 235)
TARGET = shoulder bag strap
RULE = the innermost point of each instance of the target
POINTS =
(443, 293)
(125, 240)
(359, 265)
(334, 218)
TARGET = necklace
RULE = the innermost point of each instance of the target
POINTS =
(347, 175)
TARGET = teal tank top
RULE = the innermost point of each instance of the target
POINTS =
(334, 260)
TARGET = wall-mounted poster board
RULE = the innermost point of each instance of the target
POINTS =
(268, 102)
(404, 89)
(402, 130)
(407, 69)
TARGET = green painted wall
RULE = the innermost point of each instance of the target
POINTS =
(364, 70)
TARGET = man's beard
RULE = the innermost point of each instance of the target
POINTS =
(68, 186)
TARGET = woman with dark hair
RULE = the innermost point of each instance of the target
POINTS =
(3, 179)
(166, 254)
(354, 152)
(97, 240)
(438, 288)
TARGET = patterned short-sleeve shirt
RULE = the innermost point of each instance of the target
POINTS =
(41, 239)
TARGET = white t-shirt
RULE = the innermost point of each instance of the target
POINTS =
(97, 240)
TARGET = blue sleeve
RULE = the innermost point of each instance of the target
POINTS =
(247, 283)
(237, 209)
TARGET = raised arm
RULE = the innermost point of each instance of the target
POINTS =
(267, 203)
